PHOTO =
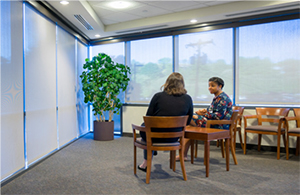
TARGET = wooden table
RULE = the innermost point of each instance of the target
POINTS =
(206, 135)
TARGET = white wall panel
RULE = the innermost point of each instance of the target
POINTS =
(12, 129)
(67, 125)
(132, 115)
(82, 108)
(40, 85)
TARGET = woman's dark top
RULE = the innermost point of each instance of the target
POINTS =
(163, 104)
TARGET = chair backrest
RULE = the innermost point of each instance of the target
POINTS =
(297, 114)
(167, 122)
(271, 112)
(232, 122)
(240, 109)
(234, 118)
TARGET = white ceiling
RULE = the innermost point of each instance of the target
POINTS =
(151, 15)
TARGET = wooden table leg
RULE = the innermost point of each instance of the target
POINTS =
(192, 151)
(227, 154)
(206, 145)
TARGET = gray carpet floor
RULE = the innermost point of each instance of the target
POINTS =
(94, 167)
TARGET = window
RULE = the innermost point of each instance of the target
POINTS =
(204, 55)
(151, 64)
(269, 63)
(260, 65)
(116, 51)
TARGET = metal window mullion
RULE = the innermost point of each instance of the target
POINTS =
(24, 80)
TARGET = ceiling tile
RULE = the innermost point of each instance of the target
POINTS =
(108, 21)
(105, 5)
(121, 17)
(103, 12)
(197, 6)
(171, 5)
(147, 11)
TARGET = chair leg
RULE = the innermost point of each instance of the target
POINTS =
(149, 161)
(182, 164)
(234, 139)
(241, 140)
(196, 148)
(134, 160)
(297, 146)
(259, 142)
(233, 152)
(287, 147)
(245, 142)
(227, 154)
(173, 161)
(222, 148)
(278, 147)
(284, 140)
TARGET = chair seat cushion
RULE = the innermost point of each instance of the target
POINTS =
(294, 130)
(141, 141)
(268, 128)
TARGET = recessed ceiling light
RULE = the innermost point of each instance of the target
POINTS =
(119, 4)
(64, 2)
(193, 21)
(97, 35)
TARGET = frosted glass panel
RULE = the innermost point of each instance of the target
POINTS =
(269, 63)
(40, 85)
(117, 52)
(82, 108)
(151, 64)
(67, 124)
(204, 55)
(12, 129)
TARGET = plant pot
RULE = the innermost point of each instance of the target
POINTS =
(104, 131)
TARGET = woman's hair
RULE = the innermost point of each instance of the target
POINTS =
(174, 84)
(217, 80)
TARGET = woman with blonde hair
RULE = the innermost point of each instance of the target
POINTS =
(173, 100)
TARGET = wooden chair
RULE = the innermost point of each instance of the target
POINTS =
(160, 122)
(266, 115)
(238, 125)
(293, 131)
(232, 122)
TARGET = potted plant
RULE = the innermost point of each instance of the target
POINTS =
(102, 81)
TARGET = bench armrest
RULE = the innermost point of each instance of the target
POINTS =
(247, 117)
